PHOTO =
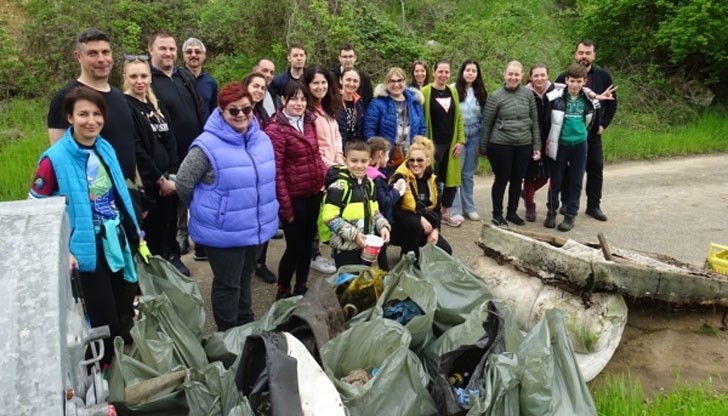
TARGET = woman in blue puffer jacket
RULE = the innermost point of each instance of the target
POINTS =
(396, 114)
(228, 181)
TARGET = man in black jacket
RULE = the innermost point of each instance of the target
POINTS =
(598, 80)
(297, 61)
(176, 88)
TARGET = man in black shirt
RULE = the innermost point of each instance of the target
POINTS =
(598, 80)
(93, 53)
(297, 61)
(176, 88)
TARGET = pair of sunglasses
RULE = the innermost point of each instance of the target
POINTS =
(132, 58)
(235, 111)
(416, 160)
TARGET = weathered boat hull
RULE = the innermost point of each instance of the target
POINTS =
(583, 267)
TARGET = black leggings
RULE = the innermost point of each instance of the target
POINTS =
(441, 159)
(299, 236)
(509, 165)
(409, 234)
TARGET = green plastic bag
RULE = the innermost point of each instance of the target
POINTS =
(459, 290)
(400, 385)
(160, 276)
(227, 346)
(403, 282)
(212, 392)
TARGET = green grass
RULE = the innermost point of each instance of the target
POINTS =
(23, 137)
(619, 395)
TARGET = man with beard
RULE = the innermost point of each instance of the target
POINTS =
(598, 80)
(297, 61)
(177, 89)
(194, 55)
(268, 69)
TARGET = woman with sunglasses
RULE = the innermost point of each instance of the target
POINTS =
(300, 173)
(418, 214)
(396, 114)
(228, 180)
(156, 156)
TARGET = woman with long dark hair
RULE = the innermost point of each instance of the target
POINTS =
(471, 89)
(300, 173)
(420, 74)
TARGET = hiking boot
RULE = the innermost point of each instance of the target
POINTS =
(323, 265)
(264, 273)
(530, 212)
(200, 254)
(514, 218)
(550, 221)
(596, 213)
(499, 221)
(567, 224)
(177, 263)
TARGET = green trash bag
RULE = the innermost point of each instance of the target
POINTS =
(456, 360)
(403, 282)
(552, 383)
(160, 276)
(399, 386)
(339, 281)
(211, 391)
(227, 346)
(459, 290)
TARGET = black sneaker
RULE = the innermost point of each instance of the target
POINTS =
(514, 218)
(177, 263)
(264, 273)
(567, 224)
(550, 221)
(300, 290)
(283, 292)
(499, 221)
(200, 254)
(596, 213)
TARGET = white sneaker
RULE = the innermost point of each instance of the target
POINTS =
(323, 265)
(473, 216)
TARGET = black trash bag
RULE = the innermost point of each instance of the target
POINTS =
(280, 378)
(456, 360)
(317, 318)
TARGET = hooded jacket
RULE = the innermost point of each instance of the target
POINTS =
(557, 102)
(300, 171)
(239, 208)
(381, 117)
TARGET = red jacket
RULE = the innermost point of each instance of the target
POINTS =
(300, 171)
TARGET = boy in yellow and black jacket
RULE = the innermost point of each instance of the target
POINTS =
(350, 210)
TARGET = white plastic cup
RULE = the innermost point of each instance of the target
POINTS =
(372, 246)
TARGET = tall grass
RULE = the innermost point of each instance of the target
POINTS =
(619, 395)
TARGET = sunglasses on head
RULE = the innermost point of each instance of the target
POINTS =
(132, 58)
(235, 111)
(416, 160)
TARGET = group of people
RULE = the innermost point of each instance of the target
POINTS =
(321, 154)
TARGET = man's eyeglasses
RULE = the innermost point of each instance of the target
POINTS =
(416, 160)
(395, 81)
(132, 58)
(235, 111)
(194, 52)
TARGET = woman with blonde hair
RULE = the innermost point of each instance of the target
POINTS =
(156, 156)
(395, 113)
(418, 214)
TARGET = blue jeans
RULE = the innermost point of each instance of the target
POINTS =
(468, 162)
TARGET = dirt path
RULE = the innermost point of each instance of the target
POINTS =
(671, 206)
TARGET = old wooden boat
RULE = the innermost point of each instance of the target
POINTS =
(595, 267)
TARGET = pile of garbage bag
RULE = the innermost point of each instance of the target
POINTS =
(422, 339)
